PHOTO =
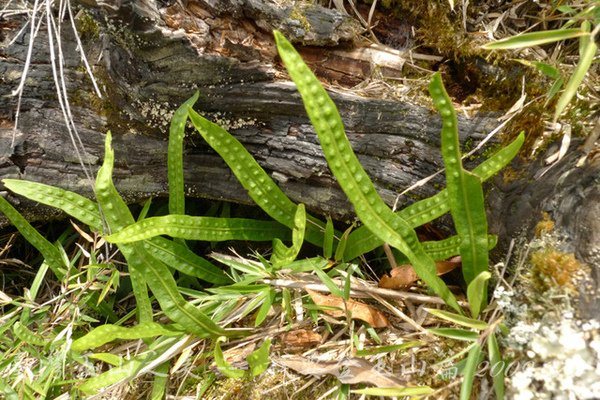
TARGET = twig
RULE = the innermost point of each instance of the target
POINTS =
(19, 90)
(400, 314)
(359, 291)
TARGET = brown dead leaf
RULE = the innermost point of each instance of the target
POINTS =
(405, 275)
(348, 370)
(300, 340)
(357, 310)
(443, 267)
(399, 277)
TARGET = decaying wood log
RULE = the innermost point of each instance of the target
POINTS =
(569, 191)
(151, 60)
(149, 57)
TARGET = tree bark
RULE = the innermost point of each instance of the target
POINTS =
(569, 192)
(146, 69)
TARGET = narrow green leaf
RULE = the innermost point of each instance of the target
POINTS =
(112, 283)
(566, 9)
(117, 216)
(50, 253)
(283, 255)
(265, 307)
(114, 375)
(477, 293)
(328, 239)
(469, 372)
(210, 229)
(27, 336)
(351, 176)
(184, 260)
(395, 391)
(449, 247)
(34, 289)
(75, 205)
(224, 367)
(458, 319)
(307, 264)
(175, 157)
(109, 358)
(327, 281)
(361, 240)
(258, 360)
(239, 289)
(261, 188)
(371, 351)
(107, 333)
(531, 39)
(545, 68)
(453, 333)
(286, 304)
(139, 289)
(588, 49)
(242, 265)
(342, 245)
(348, 280)
(465, 193)
(554, 89)
(159, 384)
(497, 366)
(145, 209)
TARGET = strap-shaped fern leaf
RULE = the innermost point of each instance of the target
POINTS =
(465, 193)
(107, 333)
(75, 205)
(361, 240)
(117, 215)
(85, 210)
(261, 188)
(283, 255)
(175, 157)
(353, 179)
(210, 229)
(157, 275)
(51, 254)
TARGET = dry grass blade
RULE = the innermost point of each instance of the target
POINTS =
(362, 290)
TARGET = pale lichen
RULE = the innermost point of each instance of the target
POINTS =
(157, 114)
(558, 353)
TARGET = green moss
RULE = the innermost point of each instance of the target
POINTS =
(87, 27)
(297, 14)
(552, 268)
(469, 144)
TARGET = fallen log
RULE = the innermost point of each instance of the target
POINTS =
(146, 69)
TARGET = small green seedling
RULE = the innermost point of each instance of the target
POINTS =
(258, 361)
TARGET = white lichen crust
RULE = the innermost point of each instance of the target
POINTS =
(557, 354)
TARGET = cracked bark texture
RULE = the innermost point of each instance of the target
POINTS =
(151, 59)
(150, 55)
